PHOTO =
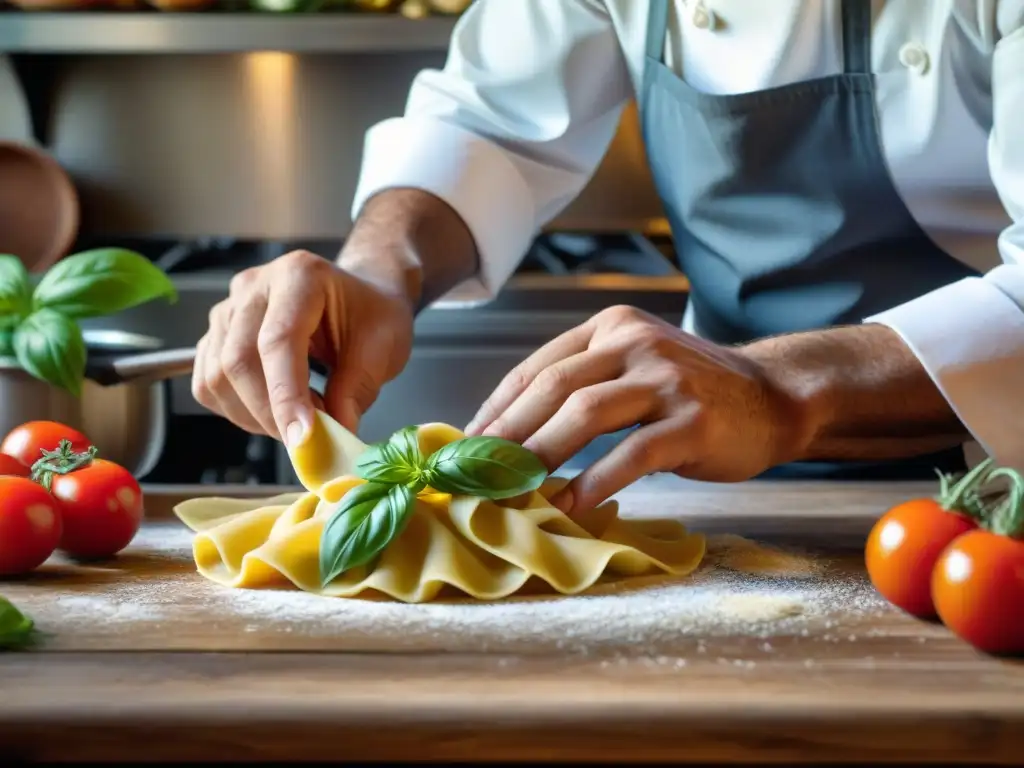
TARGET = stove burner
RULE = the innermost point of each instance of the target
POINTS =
(555, 253)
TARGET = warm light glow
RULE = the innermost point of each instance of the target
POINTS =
(958, 567)
(892, 535)
(270, 83)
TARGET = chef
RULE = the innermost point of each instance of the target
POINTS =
(845, 185)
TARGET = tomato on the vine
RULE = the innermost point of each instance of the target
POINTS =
(11, 466)
(27, 442)
(906, 542)
(100, 502)
(978, 587)
(30, 525)
(978, 582)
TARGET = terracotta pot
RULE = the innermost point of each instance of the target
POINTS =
(39, 212)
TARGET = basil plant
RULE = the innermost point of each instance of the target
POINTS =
(39, 316)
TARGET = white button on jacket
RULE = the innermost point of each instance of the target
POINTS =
(913, 56)
(512, 128)
(702, 18)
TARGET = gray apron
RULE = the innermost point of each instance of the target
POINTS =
(783, 212)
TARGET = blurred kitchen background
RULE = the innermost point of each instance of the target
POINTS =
(215, 136)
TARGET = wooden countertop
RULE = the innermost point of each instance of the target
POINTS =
(205, 686)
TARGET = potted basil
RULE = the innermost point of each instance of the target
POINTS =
(44, 356)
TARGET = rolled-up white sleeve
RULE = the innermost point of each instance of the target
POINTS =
(969, 336)
(512, 128)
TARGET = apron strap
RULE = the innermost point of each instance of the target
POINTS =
(657, 26)
(856, 37)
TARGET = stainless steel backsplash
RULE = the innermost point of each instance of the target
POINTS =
(262, 145)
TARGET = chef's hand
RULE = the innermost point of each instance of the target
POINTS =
(704, 411)
(252, 367)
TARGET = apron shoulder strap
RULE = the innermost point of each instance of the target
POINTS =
(657, 26)
(856, 37)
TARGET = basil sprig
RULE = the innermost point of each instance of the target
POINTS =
(39, 326)
(398, 460)
(15, 627)
(485, 466)
(372, 515)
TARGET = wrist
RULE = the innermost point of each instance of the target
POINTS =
(854, 392)
(412, 245)
(793, 399)
(391, 268)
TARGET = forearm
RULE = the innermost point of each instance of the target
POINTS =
(412, 243)
(860, 393)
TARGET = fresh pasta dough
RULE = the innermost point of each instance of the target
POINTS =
(484, 549)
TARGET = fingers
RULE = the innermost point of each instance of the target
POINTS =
(294, 310)
(210, 384)
(656, 447)
(550, 389)
(512, 386)
(252, 364)
(350, 393)
(588, 413)
(240, 361)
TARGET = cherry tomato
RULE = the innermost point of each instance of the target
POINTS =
(30, 525)
(978, 588)
(904, 546)
(27, 442)
(101, 506)
(11, 466)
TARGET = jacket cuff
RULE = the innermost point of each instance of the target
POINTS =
(969, 336)
(471, 174)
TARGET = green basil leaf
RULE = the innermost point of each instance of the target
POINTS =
(15, 287)
(368, 518)
(102, 282)
(6, 342)
(50, 347)
(15, 627)
(396, 461)
(489, 467)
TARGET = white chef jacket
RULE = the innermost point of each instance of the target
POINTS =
(513, 127)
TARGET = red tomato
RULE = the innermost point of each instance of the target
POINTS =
(978, 587)
(30, 525)
(11, 466)
(27, 442)
(101, 506)
(903, 548)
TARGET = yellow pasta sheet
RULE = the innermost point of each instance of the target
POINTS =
(451, 544)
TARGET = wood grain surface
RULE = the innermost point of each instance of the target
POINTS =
(878, 688)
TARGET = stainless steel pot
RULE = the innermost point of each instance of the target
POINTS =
(123, 408)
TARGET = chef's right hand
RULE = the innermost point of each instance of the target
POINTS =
(252, 367)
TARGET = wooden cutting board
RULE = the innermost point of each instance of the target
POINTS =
(790, 661)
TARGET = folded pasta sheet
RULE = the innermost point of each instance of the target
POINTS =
(484, 549)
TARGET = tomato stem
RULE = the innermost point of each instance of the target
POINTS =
(1007, 519)
(62, 461)
(962, 495)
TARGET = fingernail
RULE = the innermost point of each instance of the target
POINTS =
(295, 433)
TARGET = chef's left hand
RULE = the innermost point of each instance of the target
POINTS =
(704, 411)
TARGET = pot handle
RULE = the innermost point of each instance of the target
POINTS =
(152, 366)
(171, 363)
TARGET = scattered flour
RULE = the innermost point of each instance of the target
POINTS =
(742, 589)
